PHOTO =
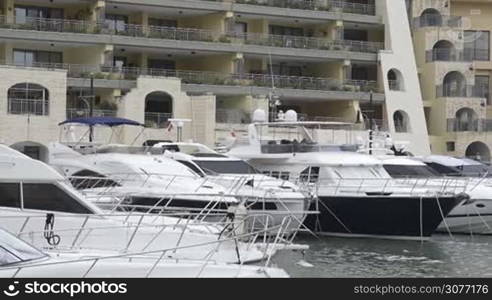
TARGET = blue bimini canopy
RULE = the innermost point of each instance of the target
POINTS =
(103, 121)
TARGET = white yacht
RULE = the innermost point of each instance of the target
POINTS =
(19, 259)
(356, 196)
(470, 217)
(41, 207)
(145, 180)
(260, 193)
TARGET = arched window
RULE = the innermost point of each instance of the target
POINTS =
(444, 51)
(395, 80)
(431, 17)
(158, 109)
(478, 151)
(401, 121)
(454, 85)
(28, 98)
(466, 120)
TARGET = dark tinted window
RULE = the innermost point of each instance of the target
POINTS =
(443, 170)
(226, 167)
(310, 174)
(87, 179)
(397, 171)
(9, 195)
(192, 167)
(50, 197)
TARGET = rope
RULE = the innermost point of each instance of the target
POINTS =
(49, 234)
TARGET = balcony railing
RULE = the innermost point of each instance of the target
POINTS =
(468, 91)
(38, 107)
(320, 5)
(437, 21)
(81, 113)
(448, 55)
(476, 125)
(189, 34)
(214, 78)
(157, 120)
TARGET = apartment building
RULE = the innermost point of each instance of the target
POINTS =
(212, 62)
(452, 49)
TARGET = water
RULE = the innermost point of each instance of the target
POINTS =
(442, 256)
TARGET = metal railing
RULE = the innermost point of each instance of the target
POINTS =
(157, 120)
(466, 91)
(474, 125)
(395, 85)
(320, 5)
(79, 113)
(437, 21)
(189, 34)
(38, 107)
(213, 78)
(448, 55)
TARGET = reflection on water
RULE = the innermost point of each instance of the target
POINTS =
(443, 256)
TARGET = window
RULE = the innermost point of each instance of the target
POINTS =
(284, 30)
(355, 34)
(10, 195)
(28, 98)
(403, 171)
(116, 22)
(28, 14)
(50, 197)
(482, 84)
(226, 167)
(31, 57)
(162, 23)
(450, 146)
(158, 109)
(477, 45)
(192, 167)
(161, 64)
(310, 175)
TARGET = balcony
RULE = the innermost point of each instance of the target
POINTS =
(448, 55)
(437, 21)
(21, 106)
(190, 34)
(336, 6)
(204, 81)
(468, 91)
(83, 113)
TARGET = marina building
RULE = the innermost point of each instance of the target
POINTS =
(215, 62)
(452, 49)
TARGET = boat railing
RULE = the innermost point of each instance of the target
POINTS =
(161, 255)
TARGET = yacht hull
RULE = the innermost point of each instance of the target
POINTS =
(474, 217)
(380, 216)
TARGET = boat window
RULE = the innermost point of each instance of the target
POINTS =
(14, 250)
(399, 171)
(226, 166)
(477, 170)
(87, 179)
(192, 167)
(444, 170)
(356, 172)
(50, 197)
(310, 175)
(10, 195)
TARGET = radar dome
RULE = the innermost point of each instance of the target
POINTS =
(259, 116)
(290, 116)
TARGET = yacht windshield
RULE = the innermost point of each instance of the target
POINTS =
(226, 167)
(399, 171)
(14, 250)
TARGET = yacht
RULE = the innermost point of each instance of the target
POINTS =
(19, 259)
(356, 196)
(260, 193)
(41, 207)
(147, 181)
(470, 217)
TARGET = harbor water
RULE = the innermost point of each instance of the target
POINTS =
(442, 256)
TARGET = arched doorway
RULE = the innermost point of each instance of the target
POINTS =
(28, 98)
(431, 17)
(158, 109)
(454, 85)
(34, 150)
(478, 151)
(444, 51)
